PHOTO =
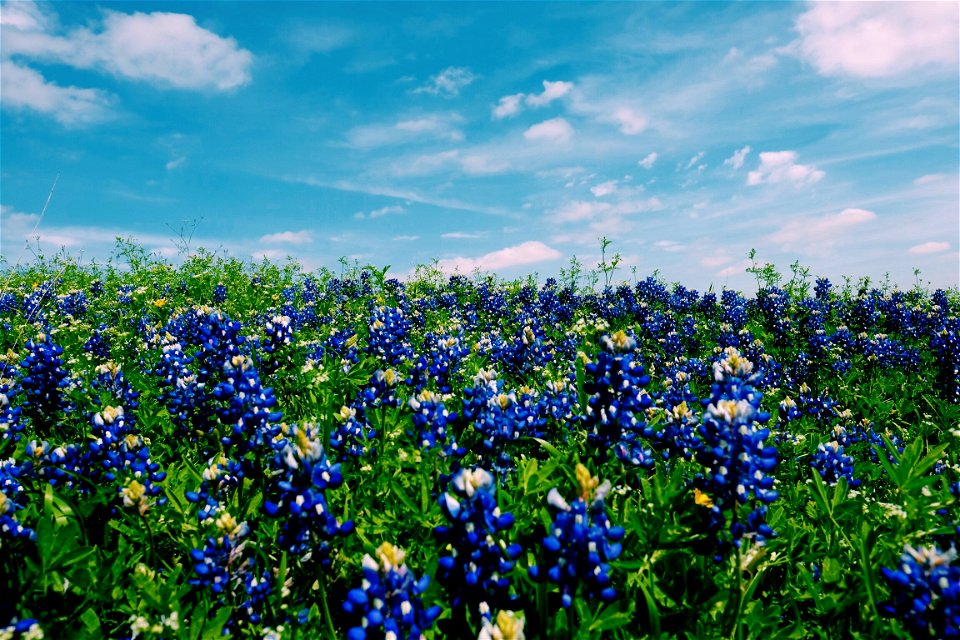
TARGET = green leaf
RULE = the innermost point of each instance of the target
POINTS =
(90, 621)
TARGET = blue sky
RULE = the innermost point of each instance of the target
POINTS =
(501, 136)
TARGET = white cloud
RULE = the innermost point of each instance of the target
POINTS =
(604, 188)
(24, 88)
(669, 245)
(813, 234)
(25, 16)
(448, 82)
(435, 126)
(482, 164)
(553, 130)
(405, 238)
(379, 213)
(288, 237)
(512, 105)
(577, 210)
(551, 91)
(736, 160)
(694, 160)
(781, 166)
(929, 247)
(461, 235)
(630, 122)
(527, 253)
(176, 163)
(716, 259)
(929, 178)
(475, 164)
(508, 106)
(649, 160)
(168, 49)
(878, 39)
(735, 269)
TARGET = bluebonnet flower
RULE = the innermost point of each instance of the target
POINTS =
(581, 542)
(439, 363)
(617, 400)
(8, 302)
(26, 629)
(221, 567)
(12, 498)
(118, 453)
(430, 417)
(11, 426)
(832, 464)
(185, 397)
(734, 453)
(479, 559)
(247, 410)
(60, 466)
(110, 379)
(945, 345)
(221, 476)
(97, 345)
(343, 344)
(219, 294)
(925, 592)
(44, 382)
(505, 419)
(389, 336)
(125, 294)
(353, 436)
(389, 604)
(278, 334)
(301, 475)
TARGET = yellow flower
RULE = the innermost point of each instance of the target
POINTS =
(159, 302)
(702, 499)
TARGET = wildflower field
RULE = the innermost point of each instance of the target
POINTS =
(225, 449)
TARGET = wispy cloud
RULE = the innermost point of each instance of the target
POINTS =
(878, 39)
(288, 237)
(604, 188)
(930, 178)
(379, 213)
(405, 238)
(629, 121)
(555, 130)
(416, 129)
(929, 247)
(694, 160)
(815, 235)
(737, 159)
(649, 160)
(781, 166)
(527, 253)
(576, 210)
(448, 82)
(461, 235)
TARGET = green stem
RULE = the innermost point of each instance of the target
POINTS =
(326, 608)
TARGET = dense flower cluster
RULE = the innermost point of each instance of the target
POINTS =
(925, 592)
(475, 560)
(297, 494)
(44, 382)
(736, 459)
(388, 605)
(581, 542)
(617, 400)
